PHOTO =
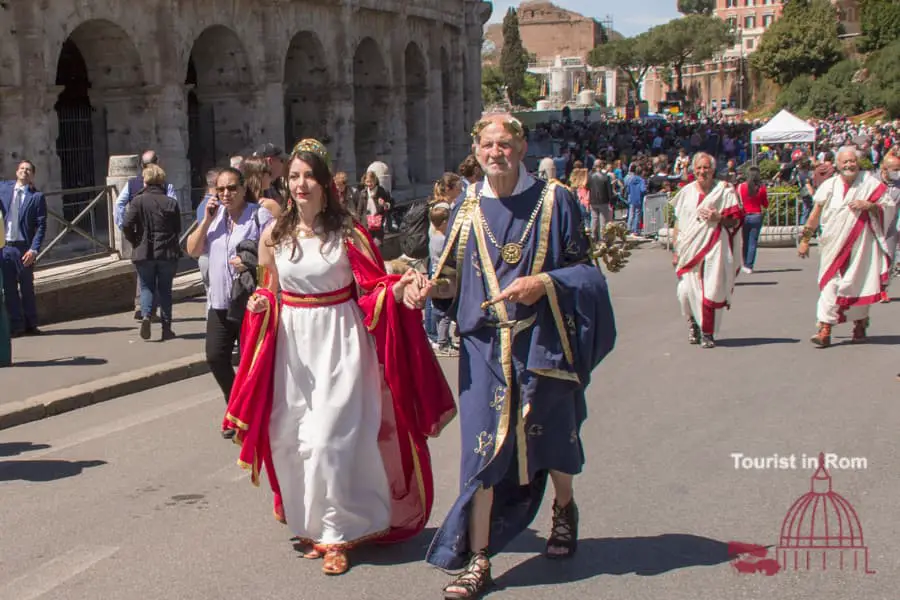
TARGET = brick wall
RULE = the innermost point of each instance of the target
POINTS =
(550, 31)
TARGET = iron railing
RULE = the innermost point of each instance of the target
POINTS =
(85, 235)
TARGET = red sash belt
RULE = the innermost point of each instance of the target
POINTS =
(315, 300)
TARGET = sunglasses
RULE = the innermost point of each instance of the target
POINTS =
(231, 188)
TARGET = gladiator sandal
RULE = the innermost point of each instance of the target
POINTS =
(822, 339)
(859, 331)
(336, 562)
(564, 530)
(694, 337)
(474, 581)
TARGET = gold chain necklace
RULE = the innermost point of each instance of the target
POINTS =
(511, 253)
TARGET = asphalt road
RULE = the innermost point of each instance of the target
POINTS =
(139, 497)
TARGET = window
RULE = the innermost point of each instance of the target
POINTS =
(750, 43)
(732, 23)
(748, 3)
(731, 3)
(768, 20)
(749, 22)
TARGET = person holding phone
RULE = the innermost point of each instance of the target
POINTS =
(230, 217)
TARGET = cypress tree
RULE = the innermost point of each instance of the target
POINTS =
(513, 57)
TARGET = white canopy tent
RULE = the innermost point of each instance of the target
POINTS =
(783, 128)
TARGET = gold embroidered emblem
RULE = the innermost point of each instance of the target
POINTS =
(573, 248)
(476, 264)
(570, 324)
(485, 442)
(499, 398)
(536, 430)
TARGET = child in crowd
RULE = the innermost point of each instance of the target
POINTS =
(440, 217)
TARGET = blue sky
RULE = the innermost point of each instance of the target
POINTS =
(629, 18)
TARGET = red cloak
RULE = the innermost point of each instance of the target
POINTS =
(422, 401)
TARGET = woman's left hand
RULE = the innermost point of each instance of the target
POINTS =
(410, 288)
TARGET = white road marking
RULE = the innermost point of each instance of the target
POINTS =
(55, 572)
(122, 424)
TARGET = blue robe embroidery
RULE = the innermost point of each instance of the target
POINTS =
(523, 369)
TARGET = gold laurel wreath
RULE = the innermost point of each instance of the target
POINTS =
(614, 248)
(511, 124)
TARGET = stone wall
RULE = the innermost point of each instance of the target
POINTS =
(550, 31)
(200, 80)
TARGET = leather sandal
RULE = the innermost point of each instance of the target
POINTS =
(474, 581)
(564, 530)
(336, 562)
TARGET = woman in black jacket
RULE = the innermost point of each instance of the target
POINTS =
(152, 226)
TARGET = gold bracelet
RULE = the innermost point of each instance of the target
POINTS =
(806, 235)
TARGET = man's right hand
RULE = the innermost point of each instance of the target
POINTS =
(416, 291)
(803, 249)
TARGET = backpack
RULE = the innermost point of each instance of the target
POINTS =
(414, 230)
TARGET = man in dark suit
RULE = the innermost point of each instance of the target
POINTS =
(601, 199)
(24, 223)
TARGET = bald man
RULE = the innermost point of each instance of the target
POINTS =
(857, 212)
(535, 318)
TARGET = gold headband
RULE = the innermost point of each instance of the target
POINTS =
(314, 147)
(511, 124)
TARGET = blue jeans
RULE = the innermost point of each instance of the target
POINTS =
(634, 219)
(22, 310)
(155, 277)
(805, 209)
(751, 229)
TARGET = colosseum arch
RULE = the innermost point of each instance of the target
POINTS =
(416, 114)
(219, 71)
(446, 111)
(100, 74)
(306, 90)
(371, 102)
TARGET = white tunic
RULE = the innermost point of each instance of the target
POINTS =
(326, 408)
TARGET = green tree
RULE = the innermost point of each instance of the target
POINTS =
(696, 7)
(691, 39)
(880, 23)
(491, 85)
(804, 41)
(883, 85)
(513, 57)
(633, 56)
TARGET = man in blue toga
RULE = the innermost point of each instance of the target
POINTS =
(535, 318)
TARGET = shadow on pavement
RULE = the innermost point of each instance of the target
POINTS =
(14, 448)
(618, 556)
(411, 551)
(755, 283)
(70, 361)
(746, 342)
(191, 336)
(878, 340)
(86, 330)
(776, 271)
(44, 470)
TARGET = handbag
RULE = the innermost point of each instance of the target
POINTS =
(445, 285)
(373, 222)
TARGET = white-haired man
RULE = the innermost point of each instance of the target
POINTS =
(535, 318)
(708, 249)
(856, 213)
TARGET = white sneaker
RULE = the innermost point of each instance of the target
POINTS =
(747, 270)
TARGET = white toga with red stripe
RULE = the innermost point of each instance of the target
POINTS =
(856, 253)
(709, 254)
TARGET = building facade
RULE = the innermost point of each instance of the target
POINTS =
(723, 83)
(550, 31)
(200, 80)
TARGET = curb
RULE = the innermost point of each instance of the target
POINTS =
(108, 388)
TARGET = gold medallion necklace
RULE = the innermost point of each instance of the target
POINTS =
(511, 253)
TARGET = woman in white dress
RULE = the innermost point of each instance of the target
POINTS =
(344, 440)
